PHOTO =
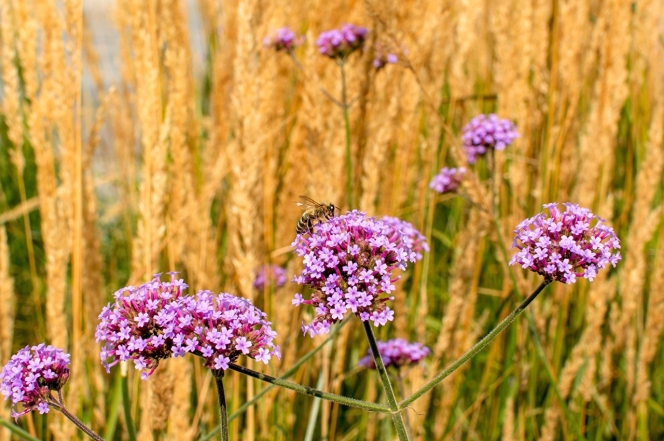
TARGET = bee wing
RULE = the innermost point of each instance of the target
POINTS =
(308, 202)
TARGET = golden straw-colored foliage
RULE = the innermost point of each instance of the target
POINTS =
(147, 136)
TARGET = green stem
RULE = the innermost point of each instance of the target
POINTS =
(311, 391)
(60, 406)
(349, 160)
(85, 429)
(16, 430)
(538, 343)
(397, 418)
(285, 375)
(402, 392)
(223, 410)
(475, 349)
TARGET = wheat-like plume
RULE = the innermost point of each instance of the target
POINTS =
(609, 94)
(178, 426)
(647, 181)
(151, 224)
(7, 313)
(508, 423)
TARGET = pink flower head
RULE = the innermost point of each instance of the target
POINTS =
(447, 180)
(413, 239)
(340, 43)
(564, 245)
(349, 262)
(221, 327)
(270, 274)
(486, 132)
(141, 324)
(396, 352)
(283, 39)
(30, 376)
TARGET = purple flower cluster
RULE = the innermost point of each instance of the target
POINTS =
(447, 180)
(283, 39)
(141, 324)
(30, 376)
(564, 245)
(413, 239)
(348, 263)
(487, 132)
(396, 352)
(221, 327)
(270, 274)
(156, 321)
(340, 43)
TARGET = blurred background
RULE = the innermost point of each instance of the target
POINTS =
(141, 136)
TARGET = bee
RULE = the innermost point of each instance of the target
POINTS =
(314, 212)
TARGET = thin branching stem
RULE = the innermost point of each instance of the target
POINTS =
(475, 349)
(59, 405)
(223, 410)
(305, 390)
(402, 393)
(285, 375)
(536, 339)
(397, 418)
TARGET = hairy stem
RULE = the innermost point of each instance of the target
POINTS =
(285, 375)
(60, 406)
(475, 349)
(223, 411)
(538, 343)
(402, 393)
(397, 418)
(305, 390)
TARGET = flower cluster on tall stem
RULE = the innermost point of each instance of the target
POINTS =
(447, 180)
(156, 321)
(141, 325)
(31, 375)
(396, 352)
(564, 245)
(412, 238)
(221, 327)
(487, 132)
(283, 40)
(348, 264)
(340, 43)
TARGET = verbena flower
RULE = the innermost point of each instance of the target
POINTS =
(340, 43)
(141, 324)
(348, 264)
(413, 239)
(447, 180)
(486, 132)
(564, 245)
(271, 274)
(30, 376)
(396, 352)
(221, 327)
(283, 39)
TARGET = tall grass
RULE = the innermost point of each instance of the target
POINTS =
(193, 164)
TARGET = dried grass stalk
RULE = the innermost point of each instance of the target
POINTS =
(7, 314)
